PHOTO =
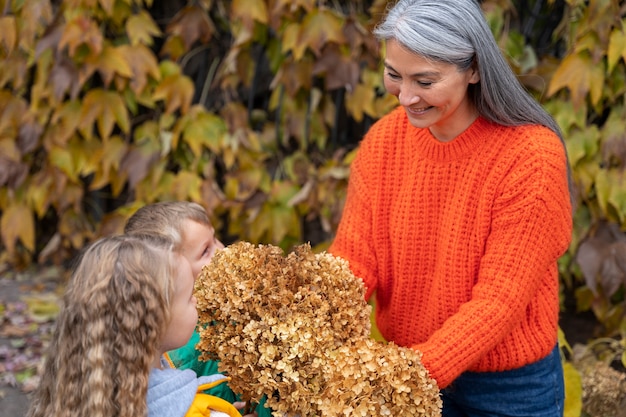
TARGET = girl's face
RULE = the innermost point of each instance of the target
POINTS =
(183, 313)
(433, 94)
(199, 244)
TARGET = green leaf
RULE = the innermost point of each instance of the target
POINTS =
(582, 143)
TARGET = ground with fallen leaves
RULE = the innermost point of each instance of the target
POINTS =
(29, 303)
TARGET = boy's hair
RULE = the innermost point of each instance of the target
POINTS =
(108, 334)
(166, 219)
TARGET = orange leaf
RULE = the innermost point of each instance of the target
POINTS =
(141, 29)
(18, 223)
(81, 31)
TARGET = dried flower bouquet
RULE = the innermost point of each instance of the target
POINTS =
(296, 329)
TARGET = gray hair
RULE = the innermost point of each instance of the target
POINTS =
(456, 32)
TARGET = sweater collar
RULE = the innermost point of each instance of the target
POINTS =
(471, 140)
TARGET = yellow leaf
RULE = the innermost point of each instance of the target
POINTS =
(617, 47)
(9, 149)
(177, 92)
(17, 223)
(320, 27)
(573, 391)
(61, 158)
(580, 75)
(361, 101)
(108, 108)
(290, 39)
(142, 63)
(39, 191)
(110, 157)
(186, 186)
(108, 63)
(8, 34)
(205, 130)
(141, 29)
(249, 11)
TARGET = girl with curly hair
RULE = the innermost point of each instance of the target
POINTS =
(129, 300)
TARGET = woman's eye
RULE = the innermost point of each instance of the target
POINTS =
(425, 83)
(393, 76)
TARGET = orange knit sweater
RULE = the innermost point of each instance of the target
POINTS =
(459, 241)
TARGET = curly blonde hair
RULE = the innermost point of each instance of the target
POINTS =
(108, 334)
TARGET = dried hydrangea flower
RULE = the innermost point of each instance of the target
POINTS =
(296, 329)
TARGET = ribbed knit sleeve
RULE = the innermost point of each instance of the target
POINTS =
(460, 241)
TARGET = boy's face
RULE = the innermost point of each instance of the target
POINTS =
(183, 312)
(199, 244)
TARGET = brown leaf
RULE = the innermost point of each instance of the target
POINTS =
(64, 78)
(192, 24)
(28, 136)
(137, 164)
(602, 260)
(12, 173)
(340, 70)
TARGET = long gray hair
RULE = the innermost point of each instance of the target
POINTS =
(456, 32)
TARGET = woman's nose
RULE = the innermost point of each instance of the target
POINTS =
(406, 97)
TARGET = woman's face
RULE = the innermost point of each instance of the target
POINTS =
(433, 94)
